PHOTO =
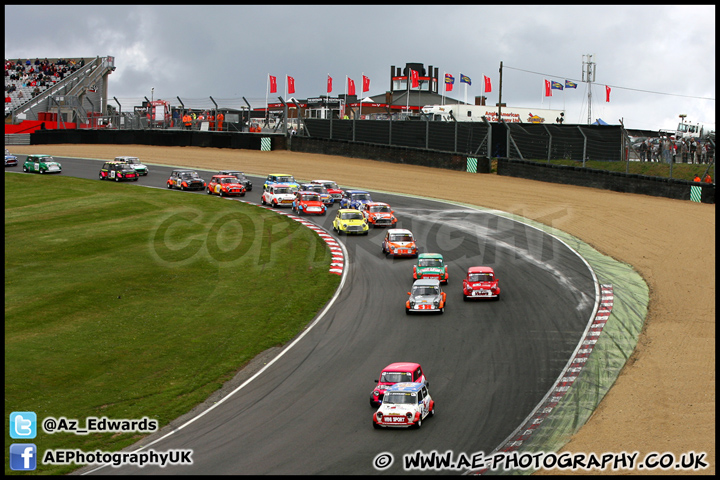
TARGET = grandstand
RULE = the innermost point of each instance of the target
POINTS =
(72, 90)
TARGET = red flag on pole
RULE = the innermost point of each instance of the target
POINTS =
(290, 84)
(351, 86)
(273, 84)
(449, 81)
(607, 93)
(415, 77)
(329, 86)
(548, 90)
(488, 85)
(366, 84)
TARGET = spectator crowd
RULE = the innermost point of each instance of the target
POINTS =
(25, 79)
(684, 150)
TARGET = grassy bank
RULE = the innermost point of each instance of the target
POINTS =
(123, 301)
(680, 171)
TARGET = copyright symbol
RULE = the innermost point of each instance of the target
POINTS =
(49, 425)
(383, 461)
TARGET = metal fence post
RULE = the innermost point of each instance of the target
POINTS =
(427, 134)
(584, 144)
(390, 130)
(456, 135)
(549, 144)
(510, 139)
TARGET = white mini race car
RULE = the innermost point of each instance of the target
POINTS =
(404, 405)
(279, 195)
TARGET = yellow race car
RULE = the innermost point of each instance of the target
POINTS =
(349, 220)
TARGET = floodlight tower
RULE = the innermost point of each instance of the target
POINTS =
(588, 75)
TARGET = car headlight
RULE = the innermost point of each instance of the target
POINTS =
(437, 302)
(409, 416)
(344, 225)
(378, 416)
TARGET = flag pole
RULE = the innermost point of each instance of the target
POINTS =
(444, 87)
(267, 113)
(346, 94)
(362, 85)
(407, 92)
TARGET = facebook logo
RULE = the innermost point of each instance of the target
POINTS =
(23, 456)
(23, 425)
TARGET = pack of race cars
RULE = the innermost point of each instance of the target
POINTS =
(401, 396)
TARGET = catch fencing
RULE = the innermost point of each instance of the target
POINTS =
(517, 141)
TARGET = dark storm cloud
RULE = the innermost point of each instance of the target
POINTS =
(656, 58)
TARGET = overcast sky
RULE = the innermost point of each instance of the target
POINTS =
(658, 60)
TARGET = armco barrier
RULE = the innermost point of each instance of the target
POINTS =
(165, 138)
(606, 180)
(586, 177)
(388, 153)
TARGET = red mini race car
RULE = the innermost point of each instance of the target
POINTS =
(480, 282)
(226, 186)
(308, 202)
(332, 188)
(396, 373)
(379, 214)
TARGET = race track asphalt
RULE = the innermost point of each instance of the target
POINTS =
(489, 363)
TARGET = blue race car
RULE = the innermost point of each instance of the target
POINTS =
(354, 198)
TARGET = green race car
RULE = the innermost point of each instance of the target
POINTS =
(41, 164)
(430, 265)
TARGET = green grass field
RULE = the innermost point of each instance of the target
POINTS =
(123, 301)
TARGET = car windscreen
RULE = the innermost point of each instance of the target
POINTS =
(400, 398)
(401, 238)
(229, 180)
(351, 216)
(286, 179)
(426, 291)
(480, 277)
(188, 175)
(361, 196)
(430, 262)
(380, 209)
(396, 377)
(310, 198)
(282, 190)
